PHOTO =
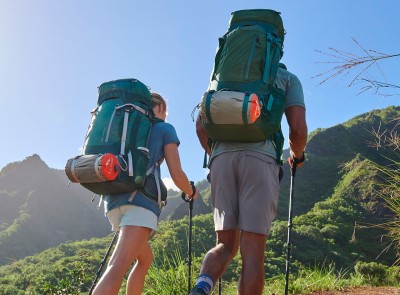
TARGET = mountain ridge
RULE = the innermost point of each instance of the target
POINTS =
(42, 210)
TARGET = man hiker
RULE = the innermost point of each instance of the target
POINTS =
(244, 179)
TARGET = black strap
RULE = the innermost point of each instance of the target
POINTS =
(193, 189)
(185, 197)
(299, 161)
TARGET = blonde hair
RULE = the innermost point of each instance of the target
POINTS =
(157, 99)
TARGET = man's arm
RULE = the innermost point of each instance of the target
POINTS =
(296, 118)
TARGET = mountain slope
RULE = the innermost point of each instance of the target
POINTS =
(342, 228)
(39, 210)
(326, 150)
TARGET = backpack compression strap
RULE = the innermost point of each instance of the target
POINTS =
(126, 120)
(157, 178)
(206, 160)
(278, 140)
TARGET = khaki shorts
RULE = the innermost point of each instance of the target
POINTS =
(132, 215)
(244, 191)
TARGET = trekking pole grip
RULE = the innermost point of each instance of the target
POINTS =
(188, 198)
(293, 169)
(295, 162)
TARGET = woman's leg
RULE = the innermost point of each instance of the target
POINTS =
(137, 276)
(131, 241)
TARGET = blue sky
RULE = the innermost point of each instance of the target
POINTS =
(54, 54)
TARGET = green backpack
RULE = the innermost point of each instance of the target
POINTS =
(242, 103)
(115, 153)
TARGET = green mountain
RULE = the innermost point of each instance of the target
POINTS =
(342, 229)
(328, 149)
(336, 207)
(39, 210)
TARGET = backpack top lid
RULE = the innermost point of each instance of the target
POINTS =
(126, 89)
(263, 16)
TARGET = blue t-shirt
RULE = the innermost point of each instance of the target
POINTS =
(162, 133)
(286, 81)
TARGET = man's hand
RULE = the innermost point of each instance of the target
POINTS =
(299, 162)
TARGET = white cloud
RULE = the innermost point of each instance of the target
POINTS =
(170, 184)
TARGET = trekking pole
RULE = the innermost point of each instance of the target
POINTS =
(290, 225)
(102, 263)
(219, 286)
(190, 201)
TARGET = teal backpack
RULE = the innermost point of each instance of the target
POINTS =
(242, 103)
(115, 154)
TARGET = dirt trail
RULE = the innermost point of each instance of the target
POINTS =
(362, 291)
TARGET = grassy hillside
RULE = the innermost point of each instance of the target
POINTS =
(341, 229)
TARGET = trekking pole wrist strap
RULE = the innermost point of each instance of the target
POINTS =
(193, 189)
(298, 161)
(186, 197)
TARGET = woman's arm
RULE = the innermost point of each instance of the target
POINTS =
(171, 155)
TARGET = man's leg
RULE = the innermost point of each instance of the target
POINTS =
(218, 258)
(252, 279)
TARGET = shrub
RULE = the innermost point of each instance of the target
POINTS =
(372, 272)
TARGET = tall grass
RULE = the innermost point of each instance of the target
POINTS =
(321, 278)
(390, 193)
(169, 277)
(389, 139)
